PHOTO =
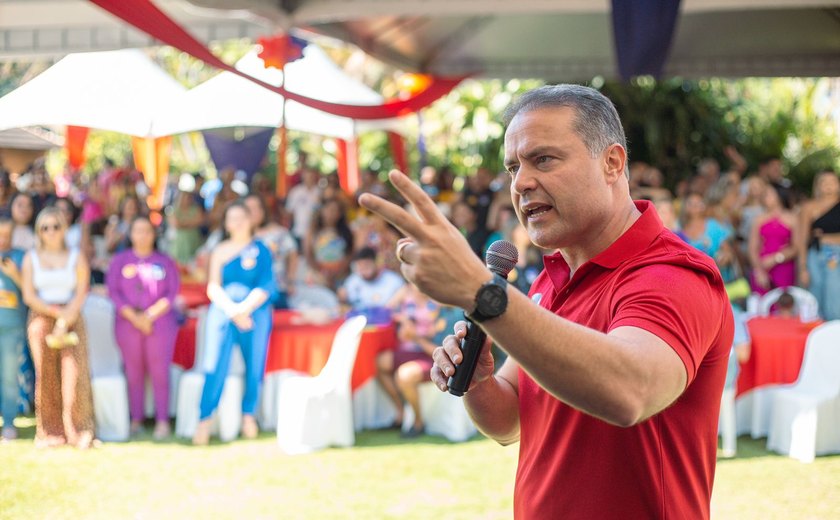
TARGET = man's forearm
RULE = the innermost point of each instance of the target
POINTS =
(605, 376)
(493, 406)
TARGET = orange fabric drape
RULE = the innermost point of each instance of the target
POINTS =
(347, 156)
(151, 157)
(282, 184)
(74, 142)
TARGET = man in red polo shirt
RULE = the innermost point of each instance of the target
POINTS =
(618, 359)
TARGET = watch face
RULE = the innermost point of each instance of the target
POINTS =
(492, 300)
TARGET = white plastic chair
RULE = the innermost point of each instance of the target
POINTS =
(267, 415)
(805, 420)
(227, 420)
(728, 423)
(806, 303)
(316, 412)
(372, 408)
(107, 379)
(443, 414)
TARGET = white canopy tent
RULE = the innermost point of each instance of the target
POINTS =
(125, 91)
(119, 91)
(228, 100)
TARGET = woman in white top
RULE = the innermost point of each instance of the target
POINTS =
(55, 283)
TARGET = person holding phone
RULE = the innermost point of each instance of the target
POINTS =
(12, 327)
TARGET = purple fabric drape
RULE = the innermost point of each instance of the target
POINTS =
(245, 154)
(643, 31)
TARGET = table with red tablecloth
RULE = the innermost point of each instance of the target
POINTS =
(303, 347)
(193, 294)
(777, 346)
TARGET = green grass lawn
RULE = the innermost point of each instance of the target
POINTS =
(382, 477)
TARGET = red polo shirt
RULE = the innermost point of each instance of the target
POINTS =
(572, 465)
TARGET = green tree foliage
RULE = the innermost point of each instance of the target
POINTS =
(785, 118)
(670, 124)
(673, 124)
(464, 129)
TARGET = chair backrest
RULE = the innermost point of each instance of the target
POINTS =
(820, 371)
(806, 303)
(200, 324)
(339, 367)
(103, 352)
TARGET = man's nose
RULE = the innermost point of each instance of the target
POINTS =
(524, 180)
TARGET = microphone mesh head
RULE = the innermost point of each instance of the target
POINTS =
(501, 257)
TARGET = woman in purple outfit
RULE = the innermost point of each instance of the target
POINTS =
(143, 284)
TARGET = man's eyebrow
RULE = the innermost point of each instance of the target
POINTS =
(535, 152)
(543, 150)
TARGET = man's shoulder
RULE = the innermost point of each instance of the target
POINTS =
(670, 250)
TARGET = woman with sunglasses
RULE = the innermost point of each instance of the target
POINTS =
(143, 284)
(55, 283)
(240, 286)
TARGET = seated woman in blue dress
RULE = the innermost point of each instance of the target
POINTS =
(240, 285)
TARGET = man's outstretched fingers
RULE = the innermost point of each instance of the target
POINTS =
(405, 222)
(423, 204)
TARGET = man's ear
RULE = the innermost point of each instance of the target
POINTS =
(615, 161)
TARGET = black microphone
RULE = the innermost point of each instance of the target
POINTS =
(501, 258)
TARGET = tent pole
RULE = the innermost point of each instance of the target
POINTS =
(282, 177)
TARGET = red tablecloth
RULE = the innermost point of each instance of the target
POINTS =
(301, 347)
(777, 346)
(194, 294)
(184, 354)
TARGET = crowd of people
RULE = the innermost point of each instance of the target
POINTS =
(316, 251)
(319, 252)
(762, 233)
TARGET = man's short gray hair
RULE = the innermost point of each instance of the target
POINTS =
(596, 119)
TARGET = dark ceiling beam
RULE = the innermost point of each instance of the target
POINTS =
(454, 41)
(368, 44)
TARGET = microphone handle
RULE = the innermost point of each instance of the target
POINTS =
(471, 347)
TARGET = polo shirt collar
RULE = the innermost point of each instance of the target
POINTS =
(635, 240)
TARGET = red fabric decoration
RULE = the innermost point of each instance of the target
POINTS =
(397, 143)
(277, 51)
(144, 15)
(347, 156)
(74, 141)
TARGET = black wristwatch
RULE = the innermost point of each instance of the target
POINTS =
(490, 300)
